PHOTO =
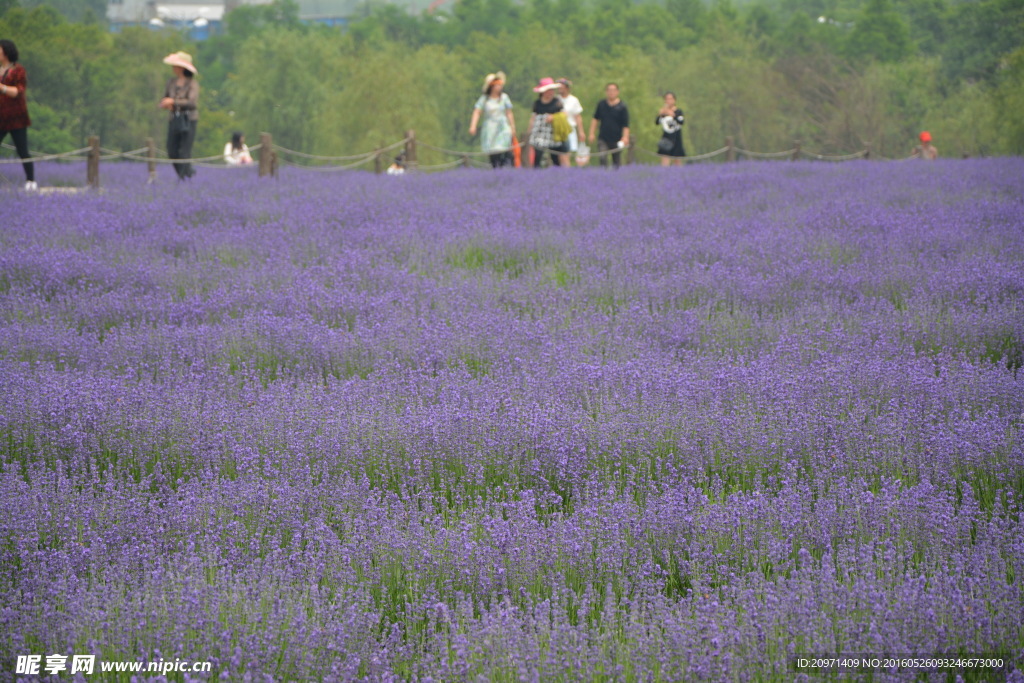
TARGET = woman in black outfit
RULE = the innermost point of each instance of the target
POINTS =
(181, 98)
(670, 118)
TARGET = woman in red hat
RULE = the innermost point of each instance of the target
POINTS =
(926, 150)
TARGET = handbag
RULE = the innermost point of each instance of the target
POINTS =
(665, 145)
(180, 123)
(561, 129)
(582, 155)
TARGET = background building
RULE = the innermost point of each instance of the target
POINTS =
(202, 18)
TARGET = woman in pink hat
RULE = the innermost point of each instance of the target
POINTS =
(181, 98)
(542, 136)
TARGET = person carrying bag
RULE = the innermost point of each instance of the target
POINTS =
(181, 99)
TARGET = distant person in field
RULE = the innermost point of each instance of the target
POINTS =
(13, 109)
(544, 135)
(670, 118)
(495, 108)
(397, 166)
(181, 99)
(574, 113)
(236, 152)
(613, 116)
(926, 150)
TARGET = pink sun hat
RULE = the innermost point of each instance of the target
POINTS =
(545, 85)
(182, 59)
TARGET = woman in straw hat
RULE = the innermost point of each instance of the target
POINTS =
(181, 99)
(498, 123)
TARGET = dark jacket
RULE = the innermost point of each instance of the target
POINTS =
(14, 110)
(186, 97)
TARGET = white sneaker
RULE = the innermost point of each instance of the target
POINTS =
(31, 186)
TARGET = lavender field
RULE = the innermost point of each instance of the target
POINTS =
(676, 424)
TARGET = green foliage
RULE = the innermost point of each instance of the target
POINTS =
(984, 33)
(48, 133)
(89, 11)
(1009, 97)
(248, 21)
(287, 93)
(765, 72)
(880, 33)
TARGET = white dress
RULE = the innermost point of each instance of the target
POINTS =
(495, 131)
(572, 108)
(237, 157)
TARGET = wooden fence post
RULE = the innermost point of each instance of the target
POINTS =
(867, 150)
(730, 149)
(151, 155)
(796, 151)
(378, 165)
(631, 153)
(266, 152)
(410, 150)
(465, 160)
(92, 168)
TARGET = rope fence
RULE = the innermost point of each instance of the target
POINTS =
(271, 156)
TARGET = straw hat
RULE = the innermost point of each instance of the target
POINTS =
(500, 76)
(182, 59)
(545, 85)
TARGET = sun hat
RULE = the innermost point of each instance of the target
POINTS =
(926, 136)
(182, 59)
(490, 78)
(545, 85)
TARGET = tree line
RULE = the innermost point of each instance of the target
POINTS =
(838, 75)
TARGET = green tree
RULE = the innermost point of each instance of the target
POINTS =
(929, 23)
(984, 33)
(285, 94)
(880, 33)
(72, 10)
(1008, 103)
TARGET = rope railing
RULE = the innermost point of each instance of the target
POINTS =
(272, 155)
(45, 157)
(455, 152)
(707, 155)
(446, 165)
(767, 155)
(837, 157)
(354, 157)
(695, 157)
(165, 160)
(320, 157)
(328, 169)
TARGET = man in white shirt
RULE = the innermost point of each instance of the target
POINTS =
(574, 112)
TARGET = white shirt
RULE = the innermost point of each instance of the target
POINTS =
(237, 157)
(572, 108)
